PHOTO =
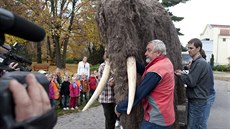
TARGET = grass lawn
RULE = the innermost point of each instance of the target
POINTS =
(70, 68)
(61, 112)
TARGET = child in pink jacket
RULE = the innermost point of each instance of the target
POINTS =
(74, 90)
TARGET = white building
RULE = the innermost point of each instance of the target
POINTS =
(207, 46)
(217, 37)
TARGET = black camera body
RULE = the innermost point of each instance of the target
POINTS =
(7, 113)
(11, 56)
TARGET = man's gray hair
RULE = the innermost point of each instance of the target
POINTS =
(159, 46)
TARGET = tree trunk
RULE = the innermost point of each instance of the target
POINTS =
(66, 40)
(126, 27)
(39, 52)
(57, 50)
(49, 50)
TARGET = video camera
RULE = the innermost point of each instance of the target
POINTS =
(15, 25)
(11, 56)
(7, 104)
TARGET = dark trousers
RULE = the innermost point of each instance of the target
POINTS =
(91, 93)
(110, 116)
(66, 101)
(81, 97)
(60, 101)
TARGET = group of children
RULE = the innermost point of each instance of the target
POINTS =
(68, 89)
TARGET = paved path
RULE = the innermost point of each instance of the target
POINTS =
(220, 112)
(94, 118)
(90, 119)
(222, 75)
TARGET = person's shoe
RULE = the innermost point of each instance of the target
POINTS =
(67, 108)
(64, 108)
(117, 123)
(72, 108)
(76, 107)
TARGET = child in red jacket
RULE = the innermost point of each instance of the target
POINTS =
(92, 84)
(74, 90)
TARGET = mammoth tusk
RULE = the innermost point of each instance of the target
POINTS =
(132, 77)
(100, 86)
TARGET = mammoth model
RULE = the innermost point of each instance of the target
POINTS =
(126, 27)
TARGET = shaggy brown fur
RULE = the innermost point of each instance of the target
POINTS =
(126, 27)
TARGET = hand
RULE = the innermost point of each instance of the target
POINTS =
(14, 65)
(30, 102)
(116, 112)
(178, 72)
(112, 83)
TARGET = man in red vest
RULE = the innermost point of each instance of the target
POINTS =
(156, 90)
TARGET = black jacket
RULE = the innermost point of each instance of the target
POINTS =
(65, 88)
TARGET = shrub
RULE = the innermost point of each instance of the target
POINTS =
(212, 61)
(94, 67)
(72, 60)
(228, 67)
(220, 68)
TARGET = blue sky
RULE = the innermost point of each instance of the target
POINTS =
(197, 14)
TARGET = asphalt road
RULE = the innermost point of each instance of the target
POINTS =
(220, 112)
(94, 118)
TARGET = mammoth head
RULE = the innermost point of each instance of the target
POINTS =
(126, 27)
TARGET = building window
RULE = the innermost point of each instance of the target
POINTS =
(224, 39)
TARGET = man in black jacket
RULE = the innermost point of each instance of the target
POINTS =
(198, 85)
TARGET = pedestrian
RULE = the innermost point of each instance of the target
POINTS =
(211, 97)
(53, 94)
(107, 99)
(83, 68)
(57, 73)
(92, 84)
(198, 83)
(56, 88)
(65, 86)
(95, 74)
(156, 90)
(74, 93)
(85, 89)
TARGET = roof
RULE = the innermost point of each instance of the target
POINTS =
(224, 32)
(215, 26)
(220, 26)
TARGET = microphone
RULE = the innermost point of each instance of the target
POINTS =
(15, 25)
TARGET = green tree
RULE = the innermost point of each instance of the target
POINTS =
(170, 3)
(183, 49)
(96, 56)
(29, 9)
(89, 37)
(212, 61)
(68, 26)
(72, 21)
